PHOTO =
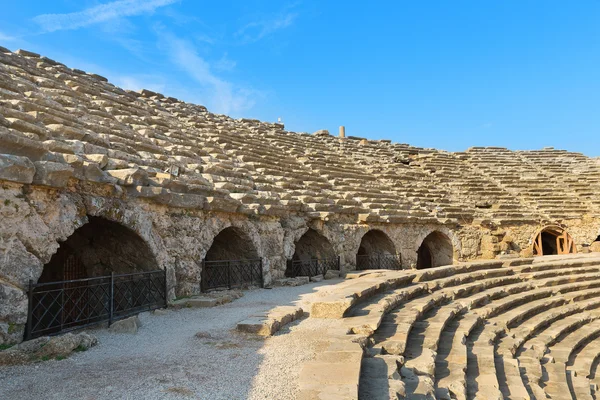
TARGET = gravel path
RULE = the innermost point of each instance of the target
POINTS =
(166, 360)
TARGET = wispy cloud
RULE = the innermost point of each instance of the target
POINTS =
(220, 95)
(225, 64)
(256, 30)
(6, 38)
(98, 14)
(487, 125)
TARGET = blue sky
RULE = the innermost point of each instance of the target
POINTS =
(447, 74)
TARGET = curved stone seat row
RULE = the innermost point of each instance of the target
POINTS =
(481, 330)
(67, 125)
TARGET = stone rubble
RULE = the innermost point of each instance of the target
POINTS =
(45, 348)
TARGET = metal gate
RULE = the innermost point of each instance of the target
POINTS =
(312, 267)
(379, 261)
(231, 274)
(56, 307)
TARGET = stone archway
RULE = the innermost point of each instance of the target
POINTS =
(376, 251)
(231, 261)
(313, 255)
(552, 240)
(435, 250)
(231, 243)
(103, 271)
(98, 248)
(313, 245)
(376, 242)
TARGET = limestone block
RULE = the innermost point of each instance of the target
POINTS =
(100, 159)
(47, 347)
(63, 345)
(297, 281)
(127, 325)
(272, 321)
(316, 278)
(16, 169)
(26, 53)
(4, 122)
(73, 160)
(58, 146)
(595, 247)
(116, 163)
(129, 176)
(195, 302)
(68, 132)
(93, 173)
(222, 204)
(187, 200)
(48, 173)
(332, 274)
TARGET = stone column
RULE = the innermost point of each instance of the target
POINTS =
(342, 131)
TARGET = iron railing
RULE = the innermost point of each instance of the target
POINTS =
(231, 274)
(312, 267)
(379, 261)
(57, 307)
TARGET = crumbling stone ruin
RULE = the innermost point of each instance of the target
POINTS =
(97, 180)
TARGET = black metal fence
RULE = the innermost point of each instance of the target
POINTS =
(231, 274)
(379, 261)
(56, 307)
(312, 267)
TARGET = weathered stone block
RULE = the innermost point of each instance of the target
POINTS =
(16, 169)
(48, 173)
(129, 176)
(272, 321)
(332, 274)
(127, 325)
(195, 302)
(100, 159)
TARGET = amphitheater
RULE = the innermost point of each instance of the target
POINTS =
(471, 274)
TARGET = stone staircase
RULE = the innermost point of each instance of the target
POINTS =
(514, 329)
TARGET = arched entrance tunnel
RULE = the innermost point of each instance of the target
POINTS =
(97, 249)
(377, 251)
(553, 240)
(231, 244)
(435, 250)
(76, 287)
(314, 255)
(231, 261)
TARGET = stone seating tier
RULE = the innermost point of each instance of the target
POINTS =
(76, 125)
(495, 330)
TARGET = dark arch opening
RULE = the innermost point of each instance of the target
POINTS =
(232, 261)
(231, 244)
(66, 299)
(376, 251)
(553, 240)
(376, 242)
(549, 243)
(312, 246)
(436, 250)
(96, 249)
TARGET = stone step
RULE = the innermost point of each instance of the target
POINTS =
(270, 322)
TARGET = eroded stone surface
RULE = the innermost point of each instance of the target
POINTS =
(72, 146)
